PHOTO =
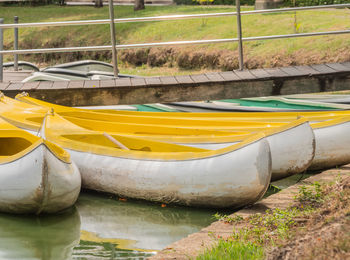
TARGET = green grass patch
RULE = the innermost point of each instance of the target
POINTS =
(228, 219)
(312, 194)
(230, 249)
(260, 231)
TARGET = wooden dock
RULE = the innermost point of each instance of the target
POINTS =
(209, 86)
(16, 76)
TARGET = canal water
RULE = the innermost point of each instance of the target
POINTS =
(103, 227)
(99, 227)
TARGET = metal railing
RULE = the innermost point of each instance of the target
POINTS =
(111, 21)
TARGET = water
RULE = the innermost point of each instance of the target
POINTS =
(101, 227)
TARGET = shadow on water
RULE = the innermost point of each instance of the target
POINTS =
(44, 238)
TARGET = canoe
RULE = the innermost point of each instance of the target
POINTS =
(37, 176)
(229, 177)
(284, 103)
(45, 76)
(287, 157)
(332, 143)
(321, 144)
(110, 115)
(32, 119)
(153, 108)
(22, 65)
(116, 107)
(259, 104)
(85, 65)
(219, 106)
(336, 121)
(79, 70)
(57, 74)
(324, 144)
(292, 145)
(337, 97)
(91, 66)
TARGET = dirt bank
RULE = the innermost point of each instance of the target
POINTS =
(320, 233)
(225, 60)
(324, 234)
(185, 59)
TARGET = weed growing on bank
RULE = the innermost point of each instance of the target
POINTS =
(255, 236)
(231, 249)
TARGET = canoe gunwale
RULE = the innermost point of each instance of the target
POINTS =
(331, 122)
(141, 155)
(10, 131)
(21, 154)
(12, 158)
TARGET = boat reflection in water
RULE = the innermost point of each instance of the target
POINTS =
(112, 228)
(98, 227)
(44, 237)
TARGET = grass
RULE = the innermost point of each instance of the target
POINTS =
(266, 53)
(256, 235)
(165, 71)
(310, 194)
(228, 250)
(228, 219)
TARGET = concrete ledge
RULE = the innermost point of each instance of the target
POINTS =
(194, 244)
(209, 86)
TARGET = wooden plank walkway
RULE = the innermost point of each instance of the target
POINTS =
(16, 76)
(209, 86)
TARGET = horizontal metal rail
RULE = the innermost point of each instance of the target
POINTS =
(168, 17)
(164, 44)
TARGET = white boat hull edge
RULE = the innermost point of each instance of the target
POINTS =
(233, 179)
(38, 182)
(332, 146)
(292, 150)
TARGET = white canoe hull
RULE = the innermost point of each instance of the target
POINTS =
(292, 150)
(38, 182)
(332, 146)
(234, 179)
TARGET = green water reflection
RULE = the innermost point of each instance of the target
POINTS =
(101, 227)
(109, 225)
(47, 237)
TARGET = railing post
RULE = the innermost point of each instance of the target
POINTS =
(114, 51)
(15, 45)
(1, 48)
(239, 34)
